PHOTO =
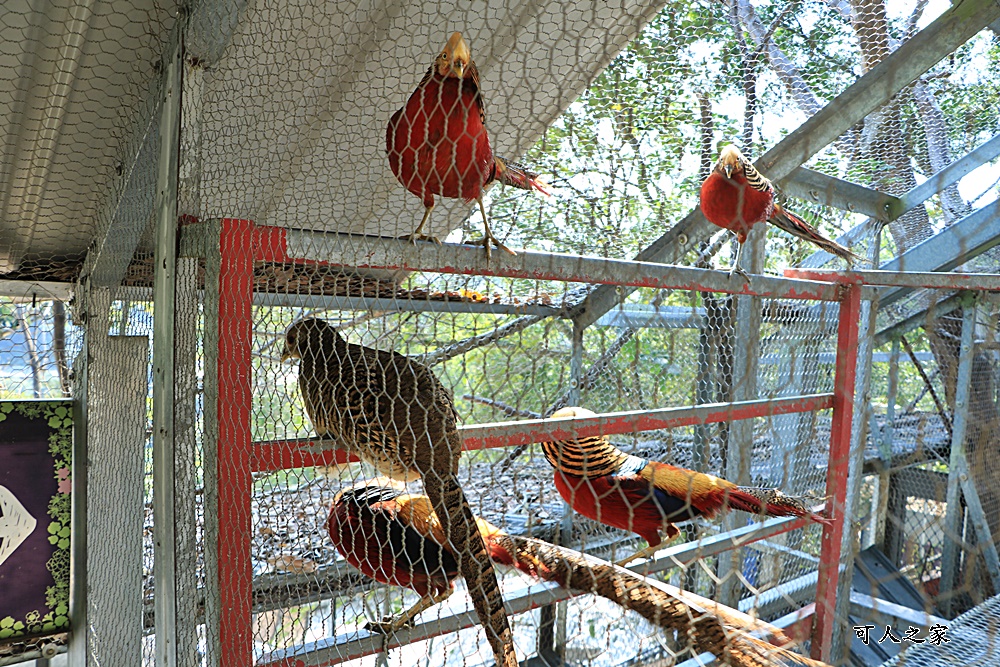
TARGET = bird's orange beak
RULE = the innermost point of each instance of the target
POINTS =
(455, 57)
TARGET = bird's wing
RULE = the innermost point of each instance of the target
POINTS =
(755, 179)
(665, 506)
(704, 492)
(480, 102)
(413, 549)
(417, 511)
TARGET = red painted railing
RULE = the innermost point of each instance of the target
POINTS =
(242, 243)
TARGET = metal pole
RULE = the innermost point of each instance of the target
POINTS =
(883, 480)
(552, 618)
(855, 461)
(164, 517)
(836, 481)
(746, 358)
(106, 558)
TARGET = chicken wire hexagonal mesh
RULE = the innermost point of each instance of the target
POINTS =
(290, 123)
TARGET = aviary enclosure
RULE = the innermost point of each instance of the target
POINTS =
(183, 182)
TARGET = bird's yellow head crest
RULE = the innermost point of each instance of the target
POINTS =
(730, 161)
(454, 58)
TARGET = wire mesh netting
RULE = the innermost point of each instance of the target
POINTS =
(602, 124)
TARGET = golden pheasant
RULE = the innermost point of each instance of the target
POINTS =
(438, 145)
(736, 196)
(395, 537)
(394, 413)
(605, 484)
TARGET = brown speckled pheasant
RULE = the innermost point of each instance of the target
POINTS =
(395, 414)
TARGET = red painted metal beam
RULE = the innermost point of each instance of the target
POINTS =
(281, 454)
(836, 479)
(913, 279)
(235, 483)
(276, 244)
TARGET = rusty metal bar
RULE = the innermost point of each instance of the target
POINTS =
(836, 480)
(390, 254)
(393, 305)
(283, 454)
(915, 279)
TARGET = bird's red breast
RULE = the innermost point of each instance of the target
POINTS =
(379, 542)
(732, 204)
(437, 143)
(627, 502)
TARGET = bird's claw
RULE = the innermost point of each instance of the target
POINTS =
(739, 270)
(489, 240)
(413, 238)
(387, 625)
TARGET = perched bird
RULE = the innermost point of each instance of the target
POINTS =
(736, 196)
(395, 414)
(605, 484)
(438, 145)
(394, 537)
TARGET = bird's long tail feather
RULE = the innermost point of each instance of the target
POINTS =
(516, 175)
(771, 502)
(467, 544)
(796, 226)
(720, 631)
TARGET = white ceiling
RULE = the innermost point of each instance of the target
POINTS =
(293, 113)
(74, 79)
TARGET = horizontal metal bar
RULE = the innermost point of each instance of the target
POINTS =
(361, 643)
(389, 254)
(886, 613)
(958, 243)
(831, 357)
(297, 453)
(638, 316)
(914, 279)
(954, 245)
(828, 190)
(370, 304)
(33, 654)
(947, 177)
(795, 591)
(322, 302)
(685, 554)
(797, 624)
(42, 290)
(951, 304)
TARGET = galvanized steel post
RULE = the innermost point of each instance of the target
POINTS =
(164, 517)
